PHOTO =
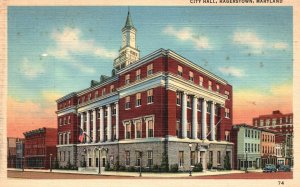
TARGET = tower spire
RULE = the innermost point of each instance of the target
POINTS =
(128, 53)
(128, 23)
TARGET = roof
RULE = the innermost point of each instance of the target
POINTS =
(129, 23)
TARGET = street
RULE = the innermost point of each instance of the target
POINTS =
(45, 175)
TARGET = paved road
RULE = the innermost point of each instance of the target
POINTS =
(43, 175)
(250, 175)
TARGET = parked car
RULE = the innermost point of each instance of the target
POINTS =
(270, 168)
(284, 168)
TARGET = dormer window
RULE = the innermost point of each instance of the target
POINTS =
(180, 70)
(127, 79)
(191, 76)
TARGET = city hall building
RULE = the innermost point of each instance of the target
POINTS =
(158, 107)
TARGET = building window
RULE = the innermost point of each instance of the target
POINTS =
(209, 85)
(211, 157)
(114, 133)
(179, 68)
(60, 121)
(150, 158)
(219, 157)
(274, 121)
(227, 136)
(138, 74)
(218, 88)
(178, 129)
(127, 158)
(105, 113)
(200, 81)
(192, 158)
(96, 94)
(181, 159)
(189, 101)
(261, 122)
(150, 96)
(199, 104)
(178, 98)
(90, 96)
(189, 128)
(191, 76)
(138, 100)
(227, 113)
(245, 147)
(128, 130)
(138, 127)
(127, 102)
(112, 88)
(60, 139)
(127, 79)
(150, 69)
(138, 155)
(208, 109)
(252, 148)
(280, 121)
(113, 110)
(255, 123)
(150, 128)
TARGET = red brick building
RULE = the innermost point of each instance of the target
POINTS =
(283, 125)
(276, 121)
(149, 106)
(39, 144)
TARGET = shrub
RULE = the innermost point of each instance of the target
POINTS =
(156, 168)
(198, 168)
(122, 168)
(209, 165)
(107, 166)
(227, 165)
(174, 168)
(131, 169)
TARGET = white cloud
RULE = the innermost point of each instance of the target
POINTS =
(232, 71)
(186, 34)
(248, 39)
(30, 69)
(280, 45)
(69, 43)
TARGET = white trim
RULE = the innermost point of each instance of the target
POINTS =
(134, 123)
(101, 101)
(150, 82)
(147, 119)
(179, 83)
(66, 111)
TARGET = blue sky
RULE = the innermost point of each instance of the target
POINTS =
(57, 50)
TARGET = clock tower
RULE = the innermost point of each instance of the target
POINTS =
(128, 53)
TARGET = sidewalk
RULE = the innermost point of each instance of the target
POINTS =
(144, 174)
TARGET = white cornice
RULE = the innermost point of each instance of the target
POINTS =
(178, 83)
(66, 111)
(112, 98)
(152, 81)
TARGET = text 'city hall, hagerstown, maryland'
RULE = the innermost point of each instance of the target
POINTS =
(161, 107)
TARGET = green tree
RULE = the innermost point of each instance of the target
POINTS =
(227, 165)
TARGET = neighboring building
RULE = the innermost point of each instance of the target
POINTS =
(279, 152)
(11, 152)
(276, 121)
(19, 153)
(149, 109)
(286, 144)
(268, 155)
(247, 145)
(39, 145)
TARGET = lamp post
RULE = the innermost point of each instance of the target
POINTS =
(22, 162)
(99, 160)
(190, 146)
(50, 162)
(140, 163)
(246, 164)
